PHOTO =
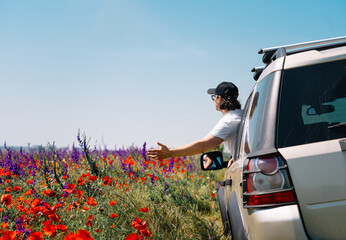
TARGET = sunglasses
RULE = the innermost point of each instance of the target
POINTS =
(213, 97)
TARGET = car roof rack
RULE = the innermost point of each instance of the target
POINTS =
(257, 72)
(273, 53)
(304, 44)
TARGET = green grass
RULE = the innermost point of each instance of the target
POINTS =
(180, 199)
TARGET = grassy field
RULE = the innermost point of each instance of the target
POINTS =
(90, 193)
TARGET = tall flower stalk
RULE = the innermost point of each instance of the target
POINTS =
(55, 164)
(86, 151)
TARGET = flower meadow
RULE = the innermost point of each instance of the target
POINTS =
(86, 192)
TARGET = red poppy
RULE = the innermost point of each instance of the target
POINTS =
(79, 194)
(89, 221)
(93, 178)
(35, 202)
(47, 222)
(112, 203)
(105, 180)
(49, 230)
(82, 234)
(138, 224)
(4, 225)
(49, 193)
(9, 235)
(8, 189)
(61, 227)
(71, 186)
(145, 232)
(85, 235)
(91, 201)
(80, 181)
(28, 192)
(114, 215)
(132, 236)
(6, 199)
(110, 182)
(146, 209)
(70, 207)
(16, 188)
(36, 236)
(54, 217)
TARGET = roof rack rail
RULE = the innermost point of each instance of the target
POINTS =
(257, 72)
(304, 44)
(255, 69)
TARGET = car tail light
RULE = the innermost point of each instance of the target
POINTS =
(266, 182)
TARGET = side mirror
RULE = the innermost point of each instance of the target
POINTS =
(212, 161)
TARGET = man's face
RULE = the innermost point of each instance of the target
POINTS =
(217, 101)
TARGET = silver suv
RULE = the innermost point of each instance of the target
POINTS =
(288, 179)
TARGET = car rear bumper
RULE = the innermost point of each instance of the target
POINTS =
(275, 223)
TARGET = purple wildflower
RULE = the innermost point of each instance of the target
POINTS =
(75, 155)
(79, 139)
(19, 226)
(152, 180)
(144, 151)
(65, 194)
(165, 189)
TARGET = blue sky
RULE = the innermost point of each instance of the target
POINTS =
(129, 72)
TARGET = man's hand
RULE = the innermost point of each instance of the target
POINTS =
(157, 154)
(230, 162)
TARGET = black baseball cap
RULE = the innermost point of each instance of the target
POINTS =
(226, 90)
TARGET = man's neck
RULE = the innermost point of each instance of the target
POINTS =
(224, 111)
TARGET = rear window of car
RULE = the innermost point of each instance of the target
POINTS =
(312, 104)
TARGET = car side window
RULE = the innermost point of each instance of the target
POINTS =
(240, 147)
(255, 117)
(316, 110)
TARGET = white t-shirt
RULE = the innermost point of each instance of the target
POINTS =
(227, 128)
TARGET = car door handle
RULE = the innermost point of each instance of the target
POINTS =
(228, 182)
(343, 144)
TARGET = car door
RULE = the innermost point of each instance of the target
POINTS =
(312, 139)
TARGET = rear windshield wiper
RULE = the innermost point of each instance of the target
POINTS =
(337, 125)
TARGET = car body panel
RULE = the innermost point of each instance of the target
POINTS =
(314, 57)
(234, 209)
(275, 223)
(318, 175)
